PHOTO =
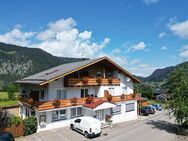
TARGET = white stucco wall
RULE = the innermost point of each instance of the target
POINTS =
(125, 116)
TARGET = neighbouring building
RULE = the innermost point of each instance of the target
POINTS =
(98, 87)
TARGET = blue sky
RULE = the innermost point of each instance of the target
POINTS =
(140, 35)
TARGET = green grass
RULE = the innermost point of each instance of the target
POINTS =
(4, 101)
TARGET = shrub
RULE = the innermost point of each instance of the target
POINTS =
(30, 125)
(4, 116)
(14, 120)
(11, 89)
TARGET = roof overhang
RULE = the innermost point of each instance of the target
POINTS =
(43, 82)
(99, 105)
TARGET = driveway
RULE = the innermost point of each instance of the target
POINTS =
(156, 127)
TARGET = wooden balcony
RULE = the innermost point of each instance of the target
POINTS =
(47, 105)
(75, 82)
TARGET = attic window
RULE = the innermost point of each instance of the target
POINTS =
(51, 72)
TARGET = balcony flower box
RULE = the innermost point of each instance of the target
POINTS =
(56, 103)
(133, 95)
(99, 79)
(109, 97)
(89, 100)
(85, 80)
(74, 101)
(31, 101)
(110, 79)
(123, 96)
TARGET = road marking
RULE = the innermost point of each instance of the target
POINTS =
(37, 138)
(60, 135)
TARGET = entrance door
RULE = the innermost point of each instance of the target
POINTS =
(99, 115)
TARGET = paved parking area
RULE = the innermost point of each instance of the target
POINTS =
(154, 128)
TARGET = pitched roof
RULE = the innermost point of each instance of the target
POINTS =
(52, 74)
(97, 103)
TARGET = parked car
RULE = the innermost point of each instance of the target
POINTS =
(6, 136)
(88, 126)
(150, 109)
(157, 107)
(144, 112)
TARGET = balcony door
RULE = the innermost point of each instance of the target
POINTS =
(84, 93)
(61, 94)
(34, 95)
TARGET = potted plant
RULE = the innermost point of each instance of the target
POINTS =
(109, 97)
(20, 97)
(99, 79)
(31, 101)
(56, 103)
(74, 100)
(134, 95)
(123, 96)
(110, 79)
(89, 100)
(85, 80)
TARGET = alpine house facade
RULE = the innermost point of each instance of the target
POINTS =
(98, 87)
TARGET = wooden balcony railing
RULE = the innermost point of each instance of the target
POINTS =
(47, 105)
(73, 82)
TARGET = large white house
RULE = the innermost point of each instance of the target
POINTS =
(98, 87)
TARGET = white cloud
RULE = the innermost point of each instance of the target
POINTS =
(164, 48)
(162, 34)
(116, 51)
(60, 38)
(184, 51)
(17, 37)
(180, 29)
(143, 65)
(142, 70)
(132, 47)
(85, 35)
(135, 61)
(148, 2)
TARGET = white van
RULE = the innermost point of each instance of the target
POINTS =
(87, 125)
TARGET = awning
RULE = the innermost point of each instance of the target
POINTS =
(99, 105)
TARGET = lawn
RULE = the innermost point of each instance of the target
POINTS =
(4, 101)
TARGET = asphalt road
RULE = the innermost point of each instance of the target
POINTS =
(157, 127)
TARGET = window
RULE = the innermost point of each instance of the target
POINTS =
(73, 112)
(76, 111)
(116, 110)
(124, 90)
(59, 115)
(99, 74)
(61, 94)
(129, 107)
(26, 112)
(111, 89)
(42, 94)
(84, 93)
(54, 115)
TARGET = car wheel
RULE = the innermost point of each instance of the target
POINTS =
(72, 126)
(86, 134)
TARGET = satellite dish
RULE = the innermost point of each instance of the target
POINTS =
(128, 79)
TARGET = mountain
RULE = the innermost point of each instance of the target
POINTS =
(160, 74)
(17, 62)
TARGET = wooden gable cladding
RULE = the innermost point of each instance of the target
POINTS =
(76, 82)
